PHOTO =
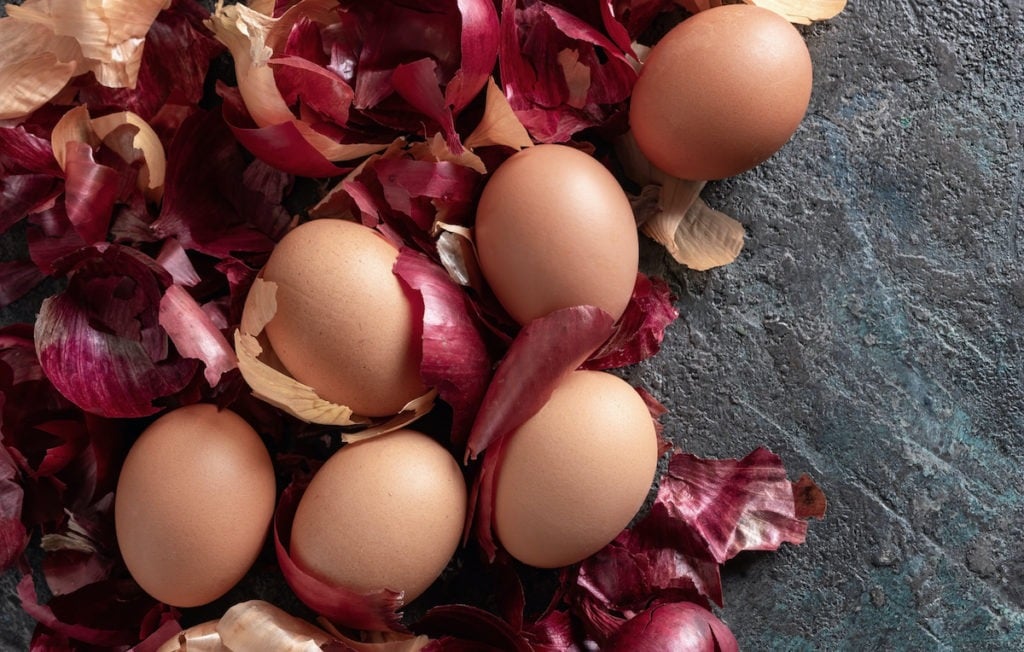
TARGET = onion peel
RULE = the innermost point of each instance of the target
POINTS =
(803, 12)
(105, 323)
(499, 124)
(670, 211)
(110, 34)
(77, 126)
(674, 626)
(541, 355)
(244, 32)
(194, 334)
(35, 65)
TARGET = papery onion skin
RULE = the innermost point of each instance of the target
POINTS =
(13, 535)
(706, 511)
(681, 626)
(455, 356)
(216, 201)
(641, 328)
(346, 78)
(177, 55)
(475, 628)
(86, 616)
(105, 325)
(560, 73)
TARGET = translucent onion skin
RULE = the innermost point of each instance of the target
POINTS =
(682, 626)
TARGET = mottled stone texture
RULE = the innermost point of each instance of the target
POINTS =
(871, 333)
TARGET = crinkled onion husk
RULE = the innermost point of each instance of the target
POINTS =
(803, 12)
(110, 130)
(47, 42)
(245, 33)
(258, 626)
(270, 382)
(34, 66)
(198, 638)
(499, 124)
(194, 334)
(695, 234)
(670, 212)
(674, 626)
(438, 149)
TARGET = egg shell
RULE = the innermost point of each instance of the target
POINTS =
(721, 92)
(193, 504)
(575, 474)
(555, 229)
(344, 323)
(383, 513)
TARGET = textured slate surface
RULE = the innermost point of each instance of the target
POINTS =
(871, 333)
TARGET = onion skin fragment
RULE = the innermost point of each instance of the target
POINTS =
(674, 626)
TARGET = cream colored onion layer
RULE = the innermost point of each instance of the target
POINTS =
(670, 211)
(258, 626)
(144, 144)
(803, 12)
(48, 42)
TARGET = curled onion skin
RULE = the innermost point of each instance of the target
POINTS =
(342, 79)
(561, 73)
(674, 626)
(105, 325)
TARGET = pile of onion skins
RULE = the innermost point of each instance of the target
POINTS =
(477, 409)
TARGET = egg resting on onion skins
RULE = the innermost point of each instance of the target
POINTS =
(193, 504)
(344, 323)
(554, 229)
(383, 513)
(576, 473)
(721, 92)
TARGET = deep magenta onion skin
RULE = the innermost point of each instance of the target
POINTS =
(345, 78)
(676, 626)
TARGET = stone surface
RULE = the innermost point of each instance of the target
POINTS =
(870, 333)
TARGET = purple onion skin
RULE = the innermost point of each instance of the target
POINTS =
(675, 627)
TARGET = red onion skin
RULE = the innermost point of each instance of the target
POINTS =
(676, 626)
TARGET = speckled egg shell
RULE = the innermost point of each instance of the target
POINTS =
(575, 474)
(555, 229)
(721, 92)
(193, 504)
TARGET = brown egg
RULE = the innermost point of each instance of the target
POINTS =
(344, 324)
(193, 504)
(576, 473)
(385, 512)
(721, 92)
(554, 229)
